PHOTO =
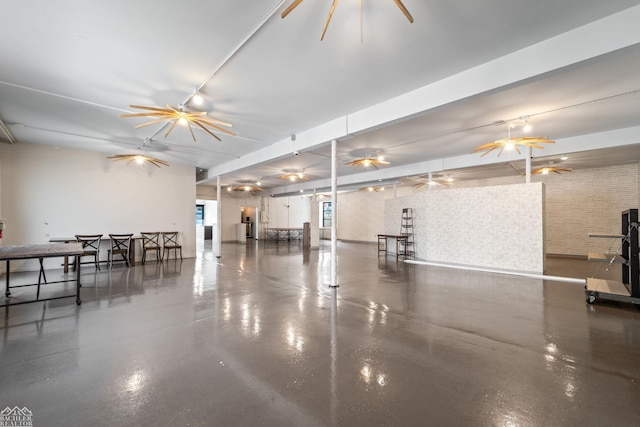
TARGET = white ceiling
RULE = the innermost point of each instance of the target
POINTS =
(425, 93)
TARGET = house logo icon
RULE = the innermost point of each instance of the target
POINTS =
(16, 417)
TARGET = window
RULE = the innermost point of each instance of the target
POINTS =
(199, 214)
(326, 214)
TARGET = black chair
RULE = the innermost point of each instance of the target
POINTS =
(120, 244)
(90, 246)
(170, 241)
(151, 243)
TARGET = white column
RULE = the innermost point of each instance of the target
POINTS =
(334, 215)
(219, 220)
(528, 164)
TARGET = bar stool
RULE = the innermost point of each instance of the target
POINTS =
(120, 244)
(151, 242)
(170, 241)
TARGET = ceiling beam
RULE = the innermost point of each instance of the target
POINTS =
(531, 63)
(602, 140)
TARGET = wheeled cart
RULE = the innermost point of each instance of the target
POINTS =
(628, 290)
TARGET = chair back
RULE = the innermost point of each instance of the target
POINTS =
(120, 242)
(150, 239)
(90, 242)
(170, 239)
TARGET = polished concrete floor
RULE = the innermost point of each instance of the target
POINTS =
(257, 338)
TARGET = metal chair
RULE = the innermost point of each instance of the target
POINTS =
(151, 242)
(120, 244)
(170, 241)
(90, 246)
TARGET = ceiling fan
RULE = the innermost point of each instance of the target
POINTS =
(180, 116)
(430, 180)
(546, 169)
(295, 4)
(139, 158)
(367, 161)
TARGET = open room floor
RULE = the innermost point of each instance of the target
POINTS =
(257, 338)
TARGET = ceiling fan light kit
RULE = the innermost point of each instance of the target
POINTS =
(293, 176)
(366, 162)
(181, 116)
(372, 189)
(139, 159)
(547, 169)
(295, 4)
(247, 188)
(512, 143)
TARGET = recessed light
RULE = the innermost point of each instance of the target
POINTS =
(564, 158)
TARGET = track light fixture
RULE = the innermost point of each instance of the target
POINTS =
(197, 98)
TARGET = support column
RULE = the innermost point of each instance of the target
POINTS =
(528, 164)
(334, 215)
(219, 218)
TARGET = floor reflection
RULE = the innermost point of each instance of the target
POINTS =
(257, 337)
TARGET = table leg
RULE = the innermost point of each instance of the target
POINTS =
(132, 253)
(40, 277)
(66, 263)
(6, 292)
(77, 266)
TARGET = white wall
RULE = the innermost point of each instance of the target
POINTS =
(54, 192)
(578, 202)
(495, 227)
(277, 211)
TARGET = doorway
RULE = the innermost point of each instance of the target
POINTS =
(249, 217)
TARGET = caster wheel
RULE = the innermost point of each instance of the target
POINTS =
(591, 299)
(7, 294)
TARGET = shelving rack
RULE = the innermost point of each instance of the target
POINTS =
(407, 246)
(628, 290)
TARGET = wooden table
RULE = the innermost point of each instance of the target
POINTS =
(400, 238)
(10, 253)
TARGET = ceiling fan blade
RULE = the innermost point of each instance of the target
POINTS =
(208, 131)
(290, 8)
(404, 10)
(142, 107)
(485, 146)
(203, 122)
(326, 25)
(158, 114)
(191, 131)
(152, 122)
(154, 163)
(209, 119)
(490, 149)
(175, 122)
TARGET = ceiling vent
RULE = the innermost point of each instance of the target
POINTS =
(5, 135)
(201, 174)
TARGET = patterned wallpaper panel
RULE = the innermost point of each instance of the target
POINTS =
(580, 202)
(496, 227)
